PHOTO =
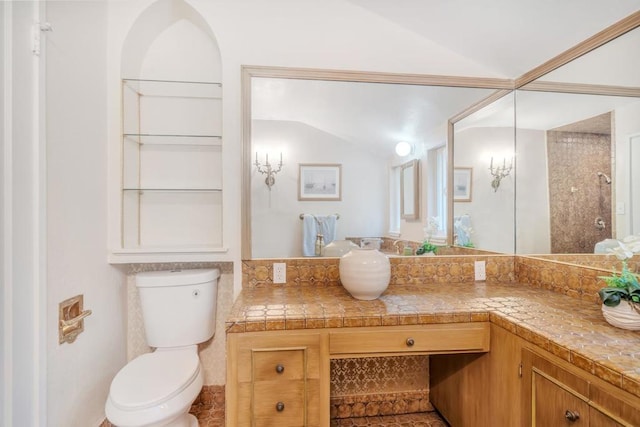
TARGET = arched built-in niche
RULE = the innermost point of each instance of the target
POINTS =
(172, 132)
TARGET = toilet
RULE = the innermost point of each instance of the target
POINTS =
(157, 389)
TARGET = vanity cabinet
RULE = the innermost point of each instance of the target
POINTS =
(556, 393)
(282, 378)
(171, 166)
(473, 389)
(277, 379)
(518, 383)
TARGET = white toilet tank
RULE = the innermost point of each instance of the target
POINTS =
(178, 307)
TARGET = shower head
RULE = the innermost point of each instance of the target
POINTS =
(606, 178)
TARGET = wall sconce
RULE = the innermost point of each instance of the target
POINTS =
(403, 148)
(266, 169)
(499, 172)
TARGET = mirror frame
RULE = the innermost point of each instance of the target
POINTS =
(410, 170)
(249, 72)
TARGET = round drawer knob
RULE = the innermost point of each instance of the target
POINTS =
(410, 342)
(279, 406)
(279, 368)
(571, 416)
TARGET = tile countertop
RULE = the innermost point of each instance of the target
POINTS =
(570, 328)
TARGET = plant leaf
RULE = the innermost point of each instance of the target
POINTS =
(611, 297)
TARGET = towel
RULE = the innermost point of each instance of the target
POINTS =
(312, 225)
(462, 226)
(327, 227)
(309, 232)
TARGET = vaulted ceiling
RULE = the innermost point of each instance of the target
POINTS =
(509, 37)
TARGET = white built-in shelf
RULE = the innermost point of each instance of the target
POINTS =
(171, 186)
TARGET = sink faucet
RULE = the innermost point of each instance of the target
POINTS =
(395, 245)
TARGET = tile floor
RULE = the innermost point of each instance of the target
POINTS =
(212, 418)
(209, 410)
(424, 419)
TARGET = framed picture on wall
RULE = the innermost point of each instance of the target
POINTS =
(320, 182)
(462, 184)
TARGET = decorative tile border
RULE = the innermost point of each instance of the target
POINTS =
(404, 270)
(600, 261)
(576, 281)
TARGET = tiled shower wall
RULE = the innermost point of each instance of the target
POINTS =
(577, 195)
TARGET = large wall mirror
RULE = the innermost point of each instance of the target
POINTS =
(586, 117)
(547, 168)
(566, 147)
(354, 120)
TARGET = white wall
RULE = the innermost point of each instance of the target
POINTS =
(4, 331)
(627, 125)
(491, 212)
(22, 308)
(533, 233)
(79, 374)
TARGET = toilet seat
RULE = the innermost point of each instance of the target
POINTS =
(153, 378)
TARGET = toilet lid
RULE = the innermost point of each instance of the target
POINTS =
(153, 378)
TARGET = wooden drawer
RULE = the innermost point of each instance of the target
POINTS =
(279, 403)
(270, 365)
(434, 338)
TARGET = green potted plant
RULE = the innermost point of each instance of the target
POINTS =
(427, 247)
(621, 297)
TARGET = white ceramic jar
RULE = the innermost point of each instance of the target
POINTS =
(337, 248)
(365, 273)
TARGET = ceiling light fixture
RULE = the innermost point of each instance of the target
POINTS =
(403, 148)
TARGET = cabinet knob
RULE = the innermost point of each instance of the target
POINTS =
(410, 342)
(279, 406)
(571, 416)
(279, 368)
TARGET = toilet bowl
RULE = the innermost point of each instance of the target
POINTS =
(157, 389)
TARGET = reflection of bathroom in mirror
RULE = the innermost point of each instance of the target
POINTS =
(338, 118)
(577, 148)
(357, 125)
(486, 218)
(571, 134)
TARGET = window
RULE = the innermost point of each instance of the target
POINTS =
(437, 188)
(394, 201)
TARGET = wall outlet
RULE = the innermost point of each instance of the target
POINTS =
(480, 270)
(279, 272)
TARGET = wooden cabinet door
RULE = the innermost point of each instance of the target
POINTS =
(557, 393)
(598, 419)
(552, 405)
(479, 390)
